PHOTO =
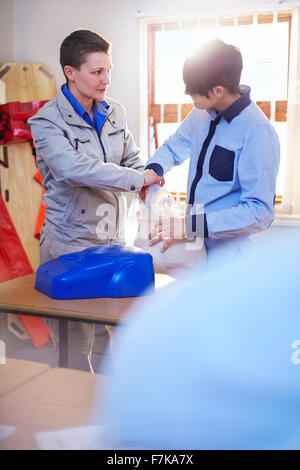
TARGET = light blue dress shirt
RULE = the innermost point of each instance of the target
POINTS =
(234, 160)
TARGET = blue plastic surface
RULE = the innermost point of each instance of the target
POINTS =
(105, 271)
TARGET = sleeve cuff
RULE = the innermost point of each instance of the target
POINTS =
(137, 182)
(156, 167)
(196, 226)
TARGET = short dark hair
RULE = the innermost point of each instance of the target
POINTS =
(74, 47)
(217, 63)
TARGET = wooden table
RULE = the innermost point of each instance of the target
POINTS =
(19, 296)
(17, 372)
(57, 399)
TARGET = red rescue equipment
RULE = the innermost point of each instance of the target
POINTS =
(14, 263)
(13, 121)
(13, 259)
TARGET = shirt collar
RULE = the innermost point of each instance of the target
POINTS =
(237, 107)
(101, 106)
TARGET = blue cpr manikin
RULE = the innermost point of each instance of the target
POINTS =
(106, 271)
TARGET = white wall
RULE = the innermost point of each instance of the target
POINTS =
(41, 25)
(6, 30)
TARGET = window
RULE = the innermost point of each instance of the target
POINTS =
(264, 41)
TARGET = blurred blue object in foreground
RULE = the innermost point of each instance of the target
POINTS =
(101, 271)
(213, 362)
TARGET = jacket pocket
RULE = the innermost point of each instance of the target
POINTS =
(120, 131)
(221, 164)
(82, 141)
(79, 210)
(115, 146)
(71, 210)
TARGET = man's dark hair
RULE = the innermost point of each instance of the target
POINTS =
(74, 48)
(215, 64)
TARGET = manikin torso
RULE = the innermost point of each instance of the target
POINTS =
(182, 254)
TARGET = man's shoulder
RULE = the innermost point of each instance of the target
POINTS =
(254, 117)
(257, 130)
(252, 123)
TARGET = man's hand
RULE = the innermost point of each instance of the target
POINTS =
(150, 177)
(170, 229)
(143, 193)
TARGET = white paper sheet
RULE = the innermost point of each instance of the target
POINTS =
(80, 438)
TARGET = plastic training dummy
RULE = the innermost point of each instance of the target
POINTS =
(182, 254)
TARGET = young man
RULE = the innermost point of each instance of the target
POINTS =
(87, 157)
(234, 156)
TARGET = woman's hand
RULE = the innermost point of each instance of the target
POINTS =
(150, 177)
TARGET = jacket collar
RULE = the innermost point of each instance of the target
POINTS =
(69, 114)
(235, 108)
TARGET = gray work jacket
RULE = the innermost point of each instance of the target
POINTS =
(83, 176)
